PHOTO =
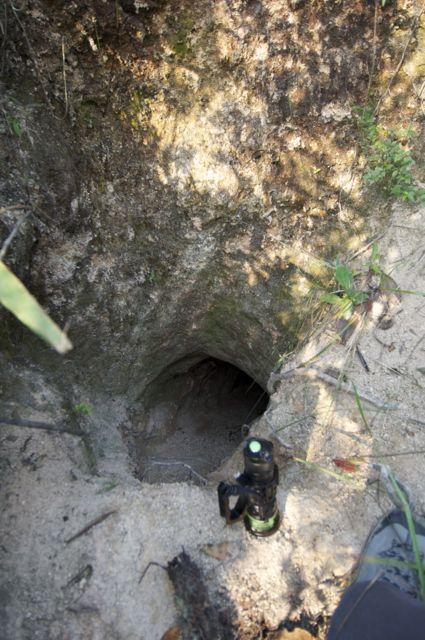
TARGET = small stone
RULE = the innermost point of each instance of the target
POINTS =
(295, 634)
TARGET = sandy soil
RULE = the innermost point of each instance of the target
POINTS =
(89, 587)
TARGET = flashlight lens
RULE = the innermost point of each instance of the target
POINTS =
(254, 446)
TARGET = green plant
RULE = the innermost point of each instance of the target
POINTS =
(83, 408)
(14, 125)
(18, 300)
(403, 501)
(347, 296)
(389, 158)
(374, 264)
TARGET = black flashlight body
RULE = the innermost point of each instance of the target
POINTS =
(256, 491)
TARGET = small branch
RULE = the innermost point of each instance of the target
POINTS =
(318, 374)
(91, 524)
(30, 424)
(362, 360)
(342, 386)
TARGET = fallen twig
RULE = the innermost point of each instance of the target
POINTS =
(91, 524)
(362, 359)
(30, 424)
(312, 372)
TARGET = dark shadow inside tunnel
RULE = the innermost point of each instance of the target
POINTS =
(192, 418)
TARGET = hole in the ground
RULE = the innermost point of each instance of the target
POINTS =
(194, 416)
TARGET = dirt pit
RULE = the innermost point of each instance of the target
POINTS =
(195, 415)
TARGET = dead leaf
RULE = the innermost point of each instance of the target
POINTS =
(221, 551)
(351, 466)
(173, 633)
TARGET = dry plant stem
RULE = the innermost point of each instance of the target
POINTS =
(31, 53)
(317, 374)
(91, 524)
(314, 373)
(369, 243)
(373, 64)
(65, 90)
(3, 27)
(9, 239)
(30, 424)
(415, 23)
(367, 397)
(389, 455)
(151, 564)
(11, 207)
(177, 463)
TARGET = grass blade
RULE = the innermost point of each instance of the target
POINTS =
(390, 562)
(411, 526)
(329, 472)
(19, 301)
(361, 411)
(406, 291)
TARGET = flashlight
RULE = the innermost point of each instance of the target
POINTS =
(255, 490)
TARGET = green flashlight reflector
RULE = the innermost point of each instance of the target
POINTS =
(254, 446)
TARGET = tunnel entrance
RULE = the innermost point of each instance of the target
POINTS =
(194, 416)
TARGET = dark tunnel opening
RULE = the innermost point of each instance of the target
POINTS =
(193, 418)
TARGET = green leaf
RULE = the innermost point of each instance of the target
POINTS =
(344, 304)
(357, 297)
(331, 298)
(17, 299)
(344, 277)
(14, 125)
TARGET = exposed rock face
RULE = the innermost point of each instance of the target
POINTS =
(178, 161)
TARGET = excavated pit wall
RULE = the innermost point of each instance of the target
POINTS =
(185, 168)
(178, 188)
